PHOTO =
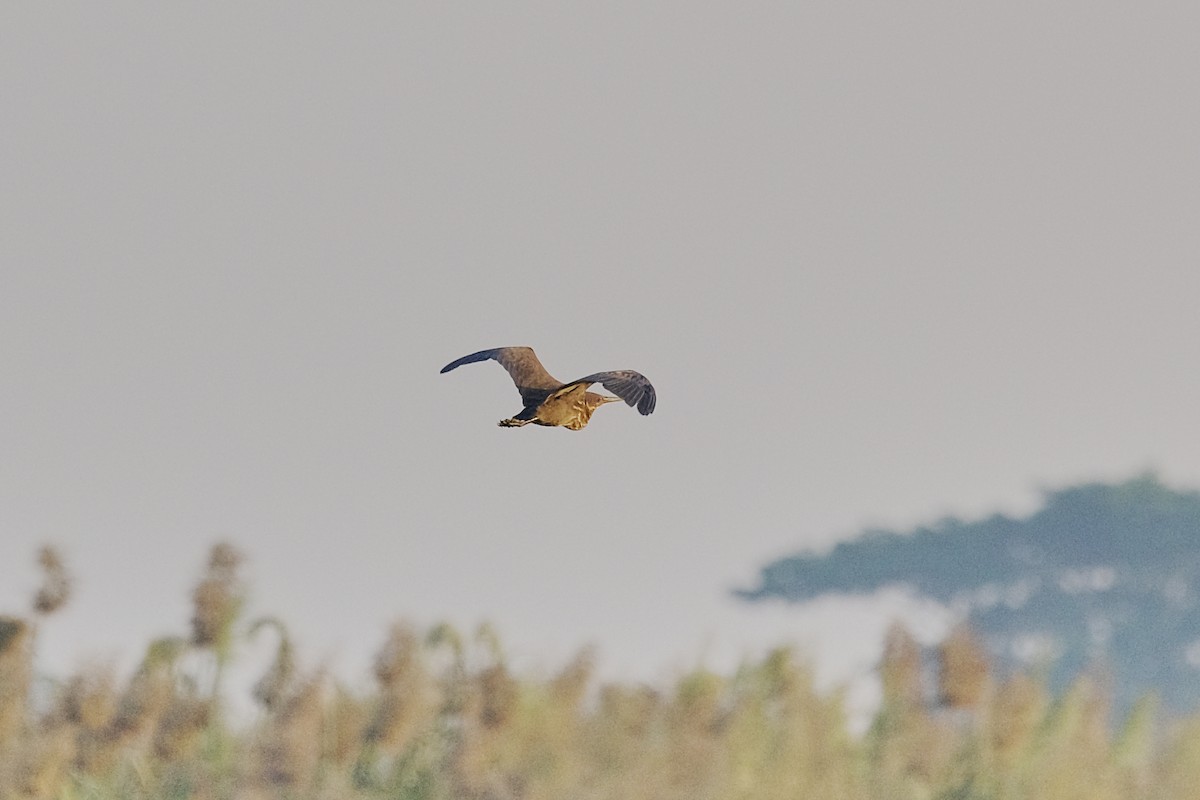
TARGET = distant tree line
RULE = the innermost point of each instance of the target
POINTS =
(1102, 575)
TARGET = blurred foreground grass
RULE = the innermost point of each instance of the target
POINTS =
(446, 718)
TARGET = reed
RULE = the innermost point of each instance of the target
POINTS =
(447, 717)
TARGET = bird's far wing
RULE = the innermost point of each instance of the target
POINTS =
(632, 387)
(531, 378)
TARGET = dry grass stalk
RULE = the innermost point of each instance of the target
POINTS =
(42, 764)
(180, 726)
(964, 673)
(1017, 708)
(15, 639)
(344, 732)
(273, 687)
(289, 749)
(56, 586)
(900, 669)
(217, 600)
(407, 693)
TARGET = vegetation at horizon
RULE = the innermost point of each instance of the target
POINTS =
(447, 717)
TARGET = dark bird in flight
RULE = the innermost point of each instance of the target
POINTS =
(548, 401)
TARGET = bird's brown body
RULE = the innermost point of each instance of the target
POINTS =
(570, 409)
(552, 403)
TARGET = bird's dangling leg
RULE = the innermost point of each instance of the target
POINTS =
(525, 416)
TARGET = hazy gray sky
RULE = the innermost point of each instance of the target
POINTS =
(883, 262)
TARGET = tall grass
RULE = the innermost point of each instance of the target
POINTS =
(446, 717)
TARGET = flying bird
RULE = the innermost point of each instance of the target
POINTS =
(550, 402)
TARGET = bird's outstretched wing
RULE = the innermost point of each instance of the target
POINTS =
(531, 378)
(632, 387)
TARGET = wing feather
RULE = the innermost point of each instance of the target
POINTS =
(632, 387)
(531, 378)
